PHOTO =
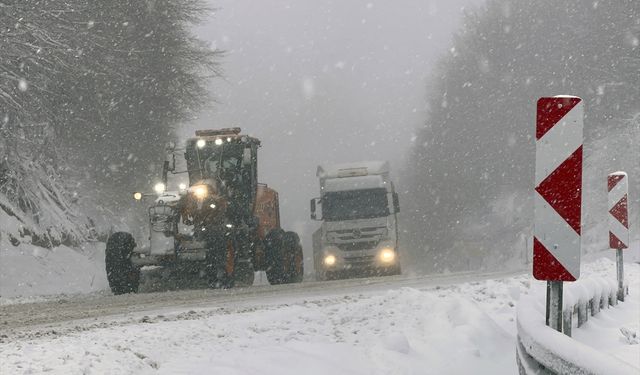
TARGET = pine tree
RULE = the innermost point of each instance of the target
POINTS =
(476, 147)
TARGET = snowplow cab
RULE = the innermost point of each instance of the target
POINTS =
(225, 162)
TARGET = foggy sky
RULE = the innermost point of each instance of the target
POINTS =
(324, 82)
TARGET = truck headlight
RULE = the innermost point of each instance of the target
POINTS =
(201, 143)
(137, 195)
(200, 191)
(387, 255)
(329, 260)
(159, 188)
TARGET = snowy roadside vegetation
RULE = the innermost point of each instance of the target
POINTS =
(469, 175)
(89, 94)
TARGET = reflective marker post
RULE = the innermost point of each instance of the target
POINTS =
(618, 187)
(558, 198)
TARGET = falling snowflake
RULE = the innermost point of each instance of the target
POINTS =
(23, 85)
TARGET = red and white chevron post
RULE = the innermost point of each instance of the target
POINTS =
(558, 197)
(618, 187)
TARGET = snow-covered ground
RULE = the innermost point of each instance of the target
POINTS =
(451, 329)
(29, 273)
(616, 331)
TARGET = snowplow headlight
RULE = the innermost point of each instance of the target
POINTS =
(137, 196)
(182, 186)
(200, 143)
(387, 255)
(218, 141)
(159, 188)
(329, 260)
(200, 191)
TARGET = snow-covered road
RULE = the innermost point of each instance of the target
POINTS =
(55, 311)
(444, 324)
(383, 325)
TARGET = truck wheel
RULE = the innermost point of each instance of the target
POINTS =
(294, 258)
(216, 261)
(396, 270)
(122, 274)
(321, 276)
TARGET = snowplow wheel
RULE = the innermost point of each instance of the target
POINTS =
(122, 274)
(217, 262)
(273, 256)
(294, 259)
(243, 273)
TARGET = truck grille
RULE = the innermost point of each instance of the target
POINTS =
(362, 245)
(363, 261)
(359, 234)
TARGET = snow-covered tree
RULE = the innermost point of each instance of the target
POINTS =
(103, 84)
(477, 145)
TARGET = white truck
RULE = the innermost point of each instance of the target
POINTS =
(358, 207)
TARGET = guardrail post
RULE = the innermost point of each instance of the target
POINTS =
(583, 315)
(612, 299)
(566, 321)
(595, 306)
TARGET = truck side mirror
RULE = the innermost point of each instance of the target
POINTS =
(313, 208)
(396, 203)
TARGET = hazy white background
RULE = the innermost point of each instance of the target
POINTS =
(324, 82)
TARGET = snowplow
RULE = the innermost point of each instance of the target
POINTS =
(222, 225)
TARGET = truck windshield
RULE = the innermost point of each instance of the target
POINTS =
(355, 204)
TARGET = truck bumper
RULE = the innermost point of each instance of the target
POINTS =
(362, 262)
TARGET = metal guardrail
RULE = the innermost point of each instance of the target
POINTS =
(542, 350)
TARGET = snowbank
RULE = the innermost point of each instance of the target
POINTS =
(604, 344)
(451, 330)
(29, 272)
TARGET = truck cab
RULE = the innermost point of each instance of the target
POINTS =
(358, 208)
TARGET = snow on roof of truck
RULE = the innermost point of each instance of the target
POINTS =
(353, 169)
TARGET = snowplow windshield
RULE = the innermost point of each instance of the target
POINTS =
(355, 204)
(214, 161)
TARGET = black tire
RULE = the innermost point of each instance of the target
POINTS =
(243, 274)
(122, 274)
(294, 257)
(321, 276)
(285, 262)
(391, 271)
(273, 256)
(215, 261)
